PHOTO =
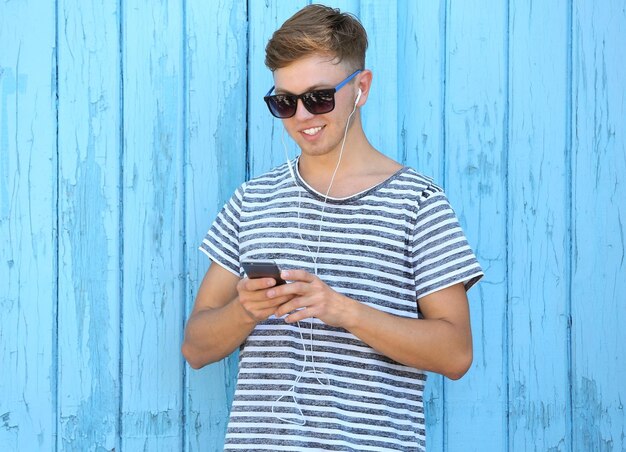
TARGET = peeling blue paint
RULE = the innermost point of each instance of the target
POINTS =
(519, 112)
(12, 84)
(94, 421)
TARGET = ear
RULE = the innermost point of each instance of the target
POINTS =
(364, 83)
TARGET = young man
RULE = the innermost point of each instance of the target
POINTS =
(376, 263)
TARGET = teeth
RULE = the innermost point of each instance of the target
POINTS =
(312, 130)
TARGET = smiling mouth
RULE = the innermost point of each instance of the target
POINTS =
(312, 131)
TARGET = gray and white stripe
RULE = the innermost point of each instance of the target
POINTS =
(387, 247)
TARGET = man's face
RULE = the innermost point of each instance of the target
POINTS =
(316, 134)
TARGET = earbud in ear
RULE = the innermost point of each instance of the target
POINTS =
(358, 96)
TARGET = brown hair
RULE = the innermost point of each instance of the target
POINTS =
(318, 29)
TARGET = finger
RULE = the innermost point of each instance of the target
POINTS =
(261, 315)
(291, 289)
(302, 314)
(255, 284)
(264, 303)
(261, 310)
(280, 301)
(297, 275)
(290, 306)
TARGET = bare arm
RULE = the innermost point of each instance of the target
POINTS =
(225, 311)
(440, 342)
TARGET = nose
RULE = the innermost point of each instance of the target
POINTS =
(301, 112)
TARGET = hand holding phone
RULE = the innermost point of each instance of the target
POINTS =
(262, 269)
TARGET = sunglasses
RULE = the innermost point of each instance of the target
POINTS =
(317, 102)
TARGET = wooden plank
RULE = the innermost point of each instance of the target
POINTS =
(89, 289)
(380, 113)
(216, 61)
(28, 193)
(476, 87)
(265, 149)
(421, 65)
(345, 6)
(538, 258)
(477, 82)
(153, 288)
(598, 225)
(421, 71)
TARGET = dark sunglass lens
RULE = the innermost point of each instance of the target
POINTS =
(319, 102)
(282, 106)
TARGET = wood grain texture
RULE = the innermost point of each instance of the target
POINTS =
(421, 72)
(89, 206)
(125, 126)
(380, 113)
(420, 104)
(216, 54)
(475, 181)
(598, 225)
(152, 159)
(265, 133)
(349, 6)
(538, 239)
(28, 180)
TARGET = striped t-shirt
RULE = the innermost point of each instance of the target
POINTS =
(310, 386)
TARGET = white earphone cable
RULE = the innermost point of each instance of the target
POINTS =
(301, 420)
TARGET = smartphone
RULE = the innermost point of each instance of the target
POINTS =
(262, 269)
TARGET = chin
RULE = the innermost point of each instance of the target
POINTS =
(318, 152)
(317, 149)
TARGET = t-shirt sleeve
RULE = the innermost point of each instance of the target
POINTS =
(441, 254)
(221, 243)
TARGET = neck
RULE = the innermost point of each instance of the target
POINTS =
(360, 168)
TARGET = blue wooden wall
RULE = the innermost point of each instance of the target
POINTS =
(125, 125)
